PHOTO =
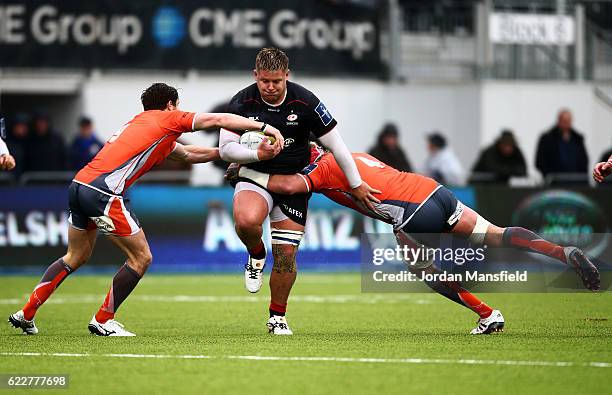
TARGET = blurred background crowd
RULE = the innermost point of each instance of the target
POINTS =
(38, 146)
(465, 91)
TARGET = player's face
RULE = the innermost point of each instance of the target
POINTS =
(272, 84)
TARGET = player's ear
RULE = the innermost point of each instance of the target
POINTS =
(170, 106)
(287, 74)
(255, 74)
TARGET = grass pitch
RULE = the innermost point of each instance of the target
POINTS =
(205, 334)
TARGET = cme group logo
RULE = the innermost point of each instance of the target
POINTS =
(168, 27)
(566, 218)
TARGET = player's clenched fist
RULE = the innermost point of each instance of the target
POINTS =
(266, 151)
(274, 132)
(7, 162)
(602, 170)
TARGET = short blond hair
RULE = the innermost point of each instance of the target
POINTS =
(271, 59)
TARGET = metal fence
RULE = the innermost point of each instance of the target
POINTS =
(450, 40)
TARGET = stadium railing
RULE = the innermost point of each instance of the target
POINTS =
(64, 177)
(554, 179)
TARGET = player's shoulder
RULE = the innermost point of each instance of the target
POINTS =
(296, 92)
(249, 93)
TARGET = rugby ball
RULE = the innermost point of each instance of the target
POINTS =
(251, 140)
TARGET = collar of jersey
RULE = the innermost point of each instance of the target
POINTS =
(275, 105)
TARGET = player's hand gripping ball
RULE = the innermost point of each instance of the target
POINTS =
(251, 140)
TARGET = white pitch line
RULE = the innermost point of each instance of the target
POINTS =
(425, 361)
(365, 299)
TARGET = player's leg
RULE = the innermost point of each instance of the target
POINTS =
(286, 237)
(80, 247)
(251, 206)
(81, 241)
(479, 231)
(490, 320)
(139, 257)
(117, 221)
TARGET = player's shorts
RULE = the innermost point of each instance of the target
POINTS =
(91, 208)
(280, 207)
(439, 213)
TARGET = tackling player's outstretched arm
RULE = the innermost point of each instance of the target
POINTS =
(277, 183)
(193, 154)
(227, 121)
(360, 190)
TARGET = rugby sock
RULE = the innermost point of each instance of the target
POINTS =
(277, 309)
(525, 239)
(453, 291)
(258, 252)
(53, 277)
(123, 284)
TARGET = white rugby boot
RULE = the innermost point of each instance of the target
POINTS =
(253, 274)
(18, 321)
(277, 325)
(109, 328)
(491, 324)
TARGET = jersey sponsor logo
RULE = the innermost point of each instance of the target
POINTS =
(288, 142)
(292, 117)
(254, 118)
(293, 211)
(273, 109)
(324, 113)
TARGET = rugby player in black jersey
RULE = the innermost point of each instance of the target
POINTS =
(296, 112)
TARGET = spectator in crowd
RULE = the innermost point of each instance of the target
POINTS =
(84, 146)
(17, 141)
(442, 163)
(503, 158)
(45, 150)
(388, 150)
(561, 149)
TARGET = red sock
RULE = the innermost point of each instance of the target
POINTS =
(106, 312)
(123, 284)
(277, 309)
(53, 277)
(475, 304)
(527, 240)
(258, 252)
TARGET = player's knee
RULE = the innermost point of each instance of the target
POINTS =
(142, 260)
(246, 221)
(76, 258)
(477, 237)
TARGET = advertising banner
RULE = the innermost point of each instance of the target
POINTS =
(319, 36)
(192, 229)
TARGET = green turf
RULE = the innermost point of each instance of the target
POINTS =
(331, 318)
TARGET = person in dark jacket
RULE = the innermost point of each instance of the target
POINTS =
(46, 150)
(85, 145)
(561, 149)
(17, 141)
(504, 159)
(388, 150)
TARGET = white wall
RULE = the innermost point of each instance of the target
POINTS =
(470, 115)
(531, 108)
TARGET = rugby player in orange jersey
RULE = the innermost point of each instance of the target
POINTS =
(96, 197)
(413, 204)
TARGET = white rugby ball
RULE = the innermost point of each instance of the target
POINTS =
(251, 140)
